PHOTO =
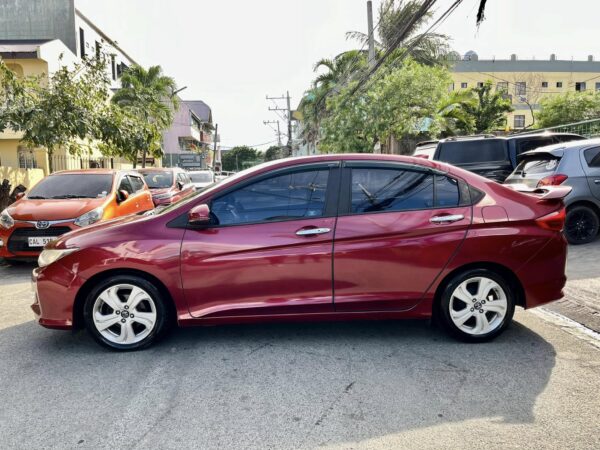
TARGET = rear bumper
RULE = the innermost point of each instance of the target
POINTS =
(54, 291)
(543, 277)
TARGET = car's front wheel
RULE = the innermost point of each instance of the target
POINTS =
(477, 305)
(581, 225)
(126, 313)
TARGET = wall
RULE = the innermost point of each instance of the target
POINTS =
(26, 177)
(39, 19)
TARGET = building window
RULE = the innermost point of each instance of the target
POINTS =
(26, 158)
(113, 67)
(81, 43)
(520, 88)
(559, 84)
(519, 121)
(480, 84)
(502, 86)
(451, 87)
(544, 84)
(98, 49)
(597, 86)
(579, 87)
(463, 85)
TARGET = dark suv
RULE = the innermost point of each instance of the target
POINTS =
(494, 157)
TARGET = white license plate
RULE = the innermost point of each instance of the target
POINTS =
(39, 241)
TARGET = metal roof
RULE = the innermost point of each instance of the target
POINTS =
(201, 109)
(503, 65)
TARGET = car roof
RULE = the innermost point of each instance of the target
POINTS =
(559, 149)
(507, 138)
(86, 171)
(159, 169)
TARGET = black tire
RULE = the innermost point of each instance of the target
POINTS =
(163, 317)
(443, 312)
(581, 225)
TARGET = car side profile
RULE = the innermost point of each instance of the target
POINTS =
(168, 185)
(575, 164)
(66, 201)
(330, 237)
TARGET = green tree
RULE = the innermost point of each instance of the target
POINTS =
(490, 109)
(273, 153)
(455, 119)
(149, 95)
(568, 108)
(239, 158)
(404, 102)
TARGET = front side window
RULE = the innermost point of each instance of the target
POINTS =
(201, 177)
(158, 180)
(382, 189)
(296, 195)
(72, 186)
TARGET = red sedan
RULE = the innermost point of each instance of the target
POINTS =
(317, 238)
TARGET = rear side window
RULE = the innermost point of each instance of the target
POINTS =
(537, 164)
(592, 157)
(376, 190)
(446, 192)
(477, 151)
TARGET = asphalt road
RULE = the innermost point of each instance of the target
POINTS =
(340, 385)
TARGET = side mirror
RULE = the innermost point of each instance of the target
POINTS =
(180, 185)
(122, 195)
(19, 196)
(199, 215)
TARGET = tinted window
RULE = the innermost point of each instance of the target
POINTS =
(446, 192)
(592, 156)
(125, 185)
(156, 180)
(537, 164)
(567, 138)
(532, 144)
(376, 190)
(201, 177)
(291, 196)
(136, 183)
(73, 186)
(465, 152)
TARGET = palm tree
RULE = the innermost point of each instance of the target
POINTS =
(150, 95)
(406, 17)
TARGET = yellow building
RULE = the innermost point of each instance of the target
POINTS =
(526, 82)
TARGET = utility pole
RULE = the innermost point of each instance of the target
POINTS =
(269, 122)
(288, 110)
(370, 35)
(215, 148)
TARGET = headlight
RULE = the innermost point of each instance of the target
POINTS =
(5, 220)
(89, 217)
(47, 257)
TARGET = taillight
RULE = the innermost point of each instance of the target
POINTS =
(555, 221)
(552, 180)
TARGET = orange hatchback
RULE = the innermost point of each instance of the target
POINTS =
(66, 201)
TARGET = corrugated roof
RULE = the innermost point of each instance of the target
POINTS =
(201, 109)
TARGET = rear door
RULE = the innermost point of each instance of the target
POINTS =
(591, 167)
(398, 226)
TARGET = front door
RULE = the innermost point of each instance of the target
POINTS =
(269, 250)
(399, 228)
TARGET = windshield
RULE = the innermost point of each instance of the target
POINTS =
(201, 177)
(88, 185)
(156, 180)
(475, 151)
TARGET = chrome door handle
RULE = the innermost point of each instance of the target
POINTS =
(447, 219)
(312, 231)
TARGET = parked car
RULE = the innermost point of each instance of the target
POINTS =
(314, 238)
(425, 149)
(494, 157)
(168, 185)
(66, 201)
(202, 178)
(575, 164)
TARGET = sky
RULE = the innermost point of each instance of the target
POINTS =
(233, 53)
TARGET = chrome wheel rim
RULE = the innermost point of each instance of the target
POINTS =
(124, 314)
(478, 306)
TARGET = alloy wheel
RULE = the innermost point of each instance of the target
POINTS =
(581, 226)
(478, 306)
(124, 314)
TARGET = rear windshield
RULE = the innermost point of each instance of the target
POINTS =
(201, 177)
(156, 180)
(537, 165)
(89, 185)
(466, 152)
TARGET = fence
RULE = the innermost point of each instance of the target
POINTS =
(586, 128)
(70, 162)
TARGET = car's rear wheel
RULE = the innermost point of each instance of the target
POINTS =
(126, 313)
(477, 305)
(581, 225)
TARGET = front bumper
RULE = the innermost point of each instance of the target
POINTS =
(54, 290)
(14, 241)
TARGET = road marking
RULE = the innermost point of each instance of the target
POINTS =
(570, 326)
